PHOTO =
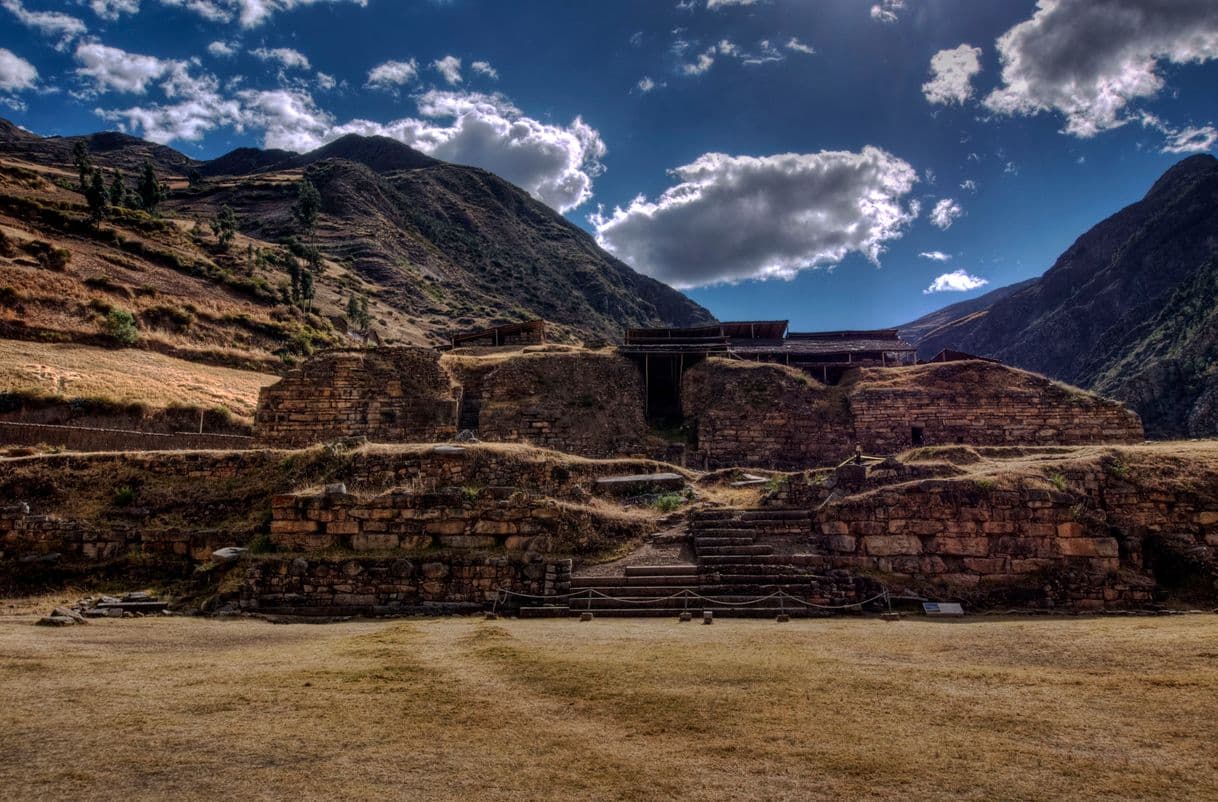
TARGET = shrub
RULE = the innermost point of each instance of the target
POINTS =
(55, 258)
(120, 324)
(1058, 481)
(260, 544)
(124, 496)
(669, 502)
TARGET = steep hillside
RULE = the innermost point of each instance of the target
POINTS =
(1128, 310)
(936, 324)
(436, 248)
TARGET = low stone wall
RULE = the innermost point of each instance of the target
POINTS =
(83, 438)
(29, 536)
(491, 519)
(587, 403)
(979, 403)
(336, 586)
(391, 395)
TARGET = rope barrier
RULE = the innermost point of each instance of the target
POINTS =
(686, 593)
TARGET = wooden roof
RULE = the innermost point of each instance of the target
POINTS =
(506, 330)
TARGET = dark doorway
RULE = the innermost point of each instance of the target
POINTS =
(915, 435)
(662, 384)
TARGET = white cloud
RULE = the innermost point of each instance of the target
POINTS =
(211, 10)
(717, 4)
(195, 107)
(955, 281)
(554, 163)
(1190, 139)
(952, 74)
(485, 68)
(286, 56)
(945, 212)
(113, 9)
(393, 73)
(936, 256)
(886, 10)
(48, 23)
(222, 49)
(968, 185)
(742, 217)
(15, 72)
(794, 45)
(248, 13)
(450, 68)
(289, 119)
(646, 85)
(726, 48)
(326, 81)
(1089, 60)
(112, 69)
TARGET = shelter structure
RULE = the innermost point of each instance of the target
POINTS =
(531, 332)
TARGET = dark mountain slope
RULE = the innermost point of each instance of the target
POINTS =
(930, 327)
(1127, 309)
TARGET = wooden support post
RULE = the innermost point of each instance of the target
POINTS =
(646, 385)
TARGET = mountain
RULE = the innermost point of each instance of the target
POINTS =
(437, 248)
(1129, 310)
(932, 326)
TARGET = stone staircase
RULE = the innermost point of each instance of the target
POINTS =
(740, 555)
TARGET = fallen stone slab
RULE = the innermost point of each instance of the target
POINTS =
(640, 484)
(64, 612)
(135, 606)
(448, 451)
(228, 554)
(749, 480)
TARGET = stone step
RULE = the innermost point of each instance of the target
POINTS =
(703, 541)
(712, 515)
(681, 603)
(685, 569)
(736, 551)
(632, 581)
(725, 531)
(775, 515)
(712, 561)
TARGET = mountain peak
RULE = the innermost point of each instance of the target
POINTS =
(1184, 170)
(379, 153)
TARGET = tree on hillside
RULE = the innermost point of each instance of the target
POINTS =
(97, 198)
(226, 226)
(118, 190)
(149, 189)
(84, 165)
(358, 316)
(308, 207)
(306, 290)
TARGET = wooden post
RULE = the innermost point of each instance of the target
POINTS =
(646, 385)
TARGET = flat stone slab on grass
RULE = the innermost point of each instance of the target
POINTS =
(640, 483)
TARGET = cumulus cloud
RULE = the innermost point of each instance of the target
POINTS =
(326, 81)
(393, 73)
(646, 85)
(450, 68)
(485, 68)
(211, 10)
(48, 23)
(194, 106)
(717, 4)
(113, 69)
(221, 49)
(1089, 60)
(951, 75)
(113, 9)
(944, 213)
(968, 185)
(764, 53)
(743, 217)
(16, 73)
(955, 281)
(936, 256)
(285, 56)
(886, 10)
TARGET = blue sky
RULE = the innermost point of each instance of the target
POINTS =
(830, 162)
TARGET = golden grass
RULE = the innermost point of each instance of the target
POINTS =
(129, 375)
(472, 710)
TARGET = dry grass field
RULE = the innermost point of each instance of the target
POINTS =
(127, 375)
(471, 710)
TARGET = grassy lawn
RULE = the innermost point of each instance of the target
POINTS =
(644, 709)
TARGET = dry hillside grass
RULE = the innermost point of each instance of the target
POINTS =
(126, 376)
(642, 710)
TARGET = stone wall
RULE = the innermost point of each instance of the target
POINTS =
(386, 394)
(494, 519)
(337, 586)
(747, 414)
(750, 414)
(979, 403)
(586, 403)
